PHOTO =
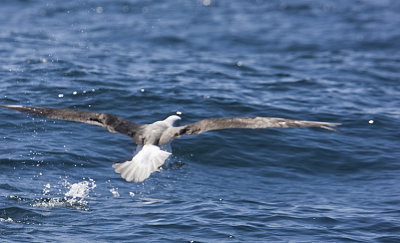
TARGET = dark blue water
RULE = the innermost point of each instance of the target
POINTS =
(336, 61)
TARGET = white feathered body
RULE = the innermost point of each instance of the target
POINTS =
(150, 157)
(148, 160)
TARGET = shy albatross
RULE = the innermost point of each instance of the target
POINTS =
(150, 136)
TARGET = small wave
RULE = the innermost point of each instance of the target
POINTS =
(19, 215)
(75, 73)
(8, 187)
(168, 40)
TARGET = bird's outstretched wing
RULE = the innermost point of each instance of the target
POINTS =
(245, 122)
(110, 122)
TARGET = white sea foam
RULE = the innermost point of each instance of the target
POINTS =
(6, 220)
(148, 200)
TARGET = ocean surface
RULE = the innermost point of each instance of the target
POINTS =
(333, 61)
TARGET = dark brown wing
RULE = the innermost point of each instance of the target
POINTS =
(243, 122)
(110, 122)
(251, 123)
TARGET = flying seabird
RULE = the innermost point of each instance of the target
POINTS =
(151, 136)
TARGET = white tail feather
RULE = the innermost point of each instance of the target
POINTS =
(148, 160)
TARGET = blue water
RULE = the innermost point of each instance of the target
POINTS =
(335, 61)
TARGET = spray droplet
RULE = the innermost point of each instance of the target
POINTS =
(206, 3)
(114, 191)
(99, 10)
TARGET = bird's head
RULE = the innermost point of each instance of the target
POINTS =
(172, 120)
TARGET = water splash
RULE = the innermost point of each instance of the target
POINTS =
(81, 189)
(114, 191)
(75, 197)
